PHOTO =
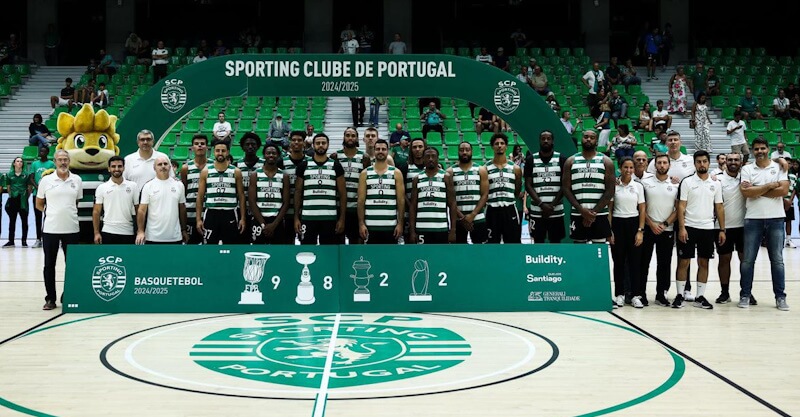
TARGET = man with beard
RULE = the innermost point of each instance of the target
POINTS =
(268, 198)
(410, 170)
(720, 169)
(505, 186)
(250, 162)
(320, 186)
(764, 184)
(640, 166)
(57, 196)
(190, 176)
(117, 200)
(542, 175)
(289, 165)
(471, 184)
(353, 161)
(221, 192)
(432, 196)
(163, 205)
(700, 197)
(589, 185)
(381, 202)
(660, 194)
(734, 204)
(370, 139)
(139, 165)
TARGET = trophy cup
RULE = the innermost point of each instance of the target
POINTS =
(305, 289)
(419, 282)
(361, 279)
(253, 271)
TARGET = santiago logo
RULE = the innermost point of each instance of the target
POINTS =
(173, 95)
(506, 97)
(109, 278)
(295, 354)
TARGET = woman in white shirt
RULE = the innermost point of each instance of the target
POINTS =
(624, 143)
(627, 218)
(645, 121)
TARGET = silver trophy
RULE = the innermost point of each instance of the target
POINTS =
(253, 272)
(419, 282)
(305, 289)
(361, 277)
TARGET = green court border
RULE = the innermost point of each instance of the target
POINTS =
(679, 369)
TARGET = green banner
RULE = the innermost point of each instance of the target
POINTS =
(357, 278)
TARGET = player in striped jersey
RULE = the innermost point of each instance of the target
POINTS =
(221, 193)
(471, 187)
(505, 186)
(370, 139)
(381, 201)
(353, 161)
(268, 198)
(320, 186)
(432, 197)
(410, 170)
(289, 165)
(190, 176)
(589, 184)
(250, 162)
(543, 184)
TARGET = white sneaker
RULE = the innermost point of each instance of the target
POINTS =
(789, 243)
(637, 302)
(687, 296)
(619, 300)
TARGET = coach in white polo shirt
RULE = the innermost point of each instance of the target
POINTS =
(734, 204)
(117, 200)
(139, 165)
(699, 198)
(163, 204)
(680, 164)
(764, 184)
(57, 197)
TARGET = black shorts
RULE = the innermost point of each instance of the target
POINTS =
(351, 227)
(289, 235)
(654, 57)
(599, 230)
(701, 239)
(322, 230)
(734, 240)
(503, 223)
(195, 238)
(381, 237)
(478, 234)
(221, 226)
(429, 238)
(790, 214)
(247, 237)
(541, 228)
(277, 237)
(115, 239)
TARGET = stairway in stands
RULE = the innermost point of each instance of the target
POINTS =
(31, 98)
(338, 117)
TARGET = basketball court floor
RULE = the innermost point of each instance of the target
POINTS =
(651, 362)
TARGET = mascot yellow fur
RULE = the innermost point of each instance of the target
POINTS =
(90, 138)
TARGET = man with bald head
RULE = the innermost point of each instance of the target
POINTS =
(163, 204)
(640, 166)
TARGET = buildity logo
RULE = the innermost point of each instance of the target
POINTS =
(506, 96)
(109, 278)
(173, 95)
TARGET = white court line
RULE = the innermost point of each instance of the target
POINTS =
(322, 395)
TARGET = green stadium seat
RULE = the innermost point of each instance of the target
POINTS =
(185, 139)
(718, 101)
(170, 139)
(449, 51)
(464, 113)
(238, 50)
(192, 126)
(727, 113)
(758, 126)
(251, 101)
(771, 137)
(180, 153)
(5, 90)
(281, 50)
(29, 153)
(245, 124)
(262, 124)
(793, 125)
(396, 112)
(471, 138)
(702, 52)
(449, 124)
(249, 112)
(317, 122)
(452, 153)
(23, 70)
(775, 125)
(266, 50)
(434, 138)
(237, 152)
(252, 50)
(199, 113)
(452, 138)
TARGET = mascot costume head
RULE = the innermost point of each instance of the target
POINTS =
(90, 138)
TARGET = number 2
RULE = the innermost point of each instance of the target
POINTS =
(443, 280)
(384, 279)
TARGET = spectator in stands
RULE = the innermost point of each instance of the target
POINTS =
(524, 76)
(107, 65)
(661, 117)
(735, 131)
(310, 133)
(518, 158)
(780, 105)
(659, 144)
(349, 46)
(780, 152)
(347, 33)
(487, 121)
(398, 135)
(279, 132)
(422, 102)
(501, 59)
(613, 73)
(484, 57)
(539, 81)
(400, 153)
(66, 98)
(397, 47)
(358, 106)
(645, 120)
(220, 49)
(652, 47)
(85, 94)
(365, 39)
(697, 84)
(794, 106)
(145, 54)
(531, 65)
(677, 91)
(593, 80)
(222, 128)
(52, 41)
(619, 107)
(565, 120)
(40, 135)
(203, 46)
(603, 126)
(667, 45)
(748, 105)
(101, 97)
(133, 45)
(629, 74)
(553, 103)
(375, 104)
(712, 83)
(701, 123)
(200, 57)
(160, 61)
(624, 142)
(792, 91)
(91, 69)
(519, 38)
(432, 120)
(17, 181)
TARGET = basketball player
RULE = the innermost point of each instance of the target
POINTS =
(370, 139)
(381, 201)
(353, 161)
(505, 186)
(432, 197)
(190, 176)
(163, 205)
(268, 198)
(543, 184)
(290, 162)
(221, 193)
(117, 200)
(471, 184)
(250, 162)
(410, 170)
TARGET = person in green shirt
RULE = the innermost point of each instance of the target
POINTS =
(400, 153)
(38, 167)
(698, 80)
(19, 189)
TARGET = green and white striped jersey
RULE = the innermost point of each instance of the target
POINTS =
(319, 189)
(221, 189)
(352, 170)
(431, 203)
(192, 183)
(467, 186)
(546, 178)
(289, 168)
(588, 182)
(269, 193)
(502, 184)
(381, 202)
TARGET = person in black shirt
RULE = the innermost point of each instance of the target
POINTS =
(66, 97)
(40, 134)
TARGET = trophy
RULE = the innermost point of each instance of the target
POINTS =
(419, 282)
(361, 278)
(305, 289)
(253, 271)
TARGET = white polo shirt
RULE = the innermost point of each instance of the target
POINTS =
(161, 51)
(660, 113)
(350, 47)
(700, 197)
(222, 129)
(118, 202)
(660, 197)
(764, 207)
(61, 197)
(733, 200)
(681, 167)
(627, 198)
(140, 170)
(163, 198)
(737, 137)
(776, 155)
